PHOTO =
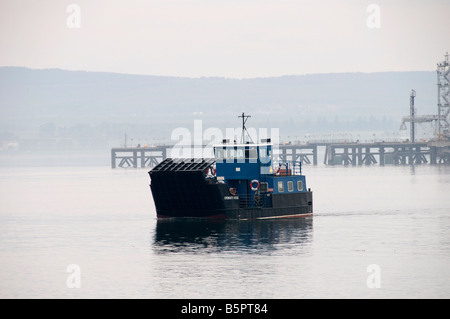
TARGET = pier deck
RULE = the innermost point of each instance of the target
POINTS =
(367, 153)
(382, 153)
(138, 157)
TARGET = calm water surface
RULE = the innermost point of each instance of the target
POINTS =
(103, 221)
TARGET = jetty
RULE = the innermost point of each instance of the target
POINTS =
(351, 153)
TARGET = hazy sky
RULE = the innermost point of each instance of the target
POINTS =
(231, 38)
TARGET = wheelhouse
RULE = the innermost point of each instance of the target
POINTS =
(249, 171)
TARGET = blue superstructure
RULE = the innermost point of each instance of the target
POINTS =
(249, 171)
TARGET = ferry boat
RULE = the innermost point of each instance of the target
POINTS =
(240, 182)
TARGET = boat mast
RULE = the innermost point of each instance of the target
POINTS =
(244, 129)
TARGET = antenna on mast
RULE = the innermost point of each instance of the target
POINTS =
(244, 129)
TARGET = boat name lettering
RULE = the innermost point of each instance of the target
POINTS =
(230, 197)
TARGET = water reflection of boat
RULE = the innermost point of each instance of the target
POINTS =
(222, 235)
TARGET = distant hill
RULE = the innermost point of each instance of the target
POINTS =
(33, 100)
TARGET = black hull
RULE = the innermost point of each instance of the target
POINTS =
(285, 206)
(181, 190)
(241, 213)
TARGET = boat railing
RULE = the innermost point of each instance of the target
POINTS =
(288, 168)
(255, 200)
(296, 168)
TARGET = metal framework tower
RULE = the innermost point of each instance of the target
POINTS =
(443, 82)
(414, 119)
(412, 114)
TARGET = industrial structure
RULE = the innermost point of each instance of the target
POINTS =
(443, 81)
(346, 153)
(440, 144)
(442, 118)
(414, 119)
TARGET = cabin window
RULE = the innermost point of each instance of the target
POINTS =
(219, 153)
(233, 153)
(251, 153)
(300, 185)
(265, 155)
(290, 186)
(280, 187)
(240, 153)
